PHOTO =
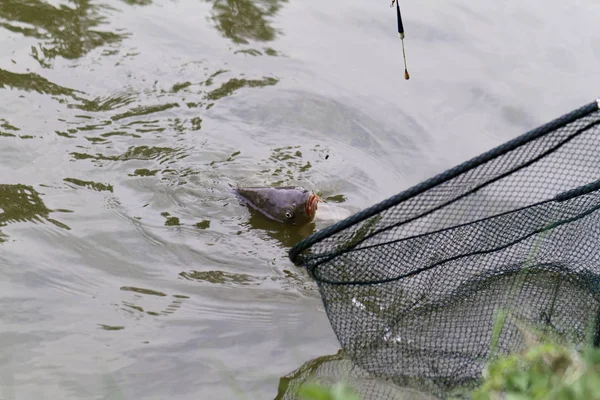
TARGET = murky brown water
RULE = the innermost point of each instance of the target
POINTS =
(128, 270)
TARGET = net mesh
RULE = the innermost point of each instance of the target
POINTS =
(413, 286)
(330, 370)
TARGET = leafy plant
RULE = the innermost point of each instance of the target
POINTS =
(547, 371)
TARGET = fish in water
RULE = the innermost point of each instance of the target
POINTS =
(292, 205)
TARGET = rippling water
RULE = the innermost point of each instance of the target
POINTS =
(128, 270)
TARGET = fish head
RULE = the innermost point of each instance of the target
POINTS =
(296, 207)
(290, 205)
(303, 208)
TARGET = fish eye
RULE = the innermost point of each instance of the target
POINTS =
(288, 215)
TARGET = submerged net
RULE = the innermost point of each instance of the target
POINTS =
(330, 370)
(414, 286)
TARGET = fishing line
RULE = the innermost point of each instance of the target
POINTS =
(401, 35)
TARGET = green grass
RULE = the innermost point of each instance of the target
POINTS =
(547, 371)
(339, 391)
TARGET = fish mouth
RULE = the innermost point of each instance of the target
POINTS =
(311, 205)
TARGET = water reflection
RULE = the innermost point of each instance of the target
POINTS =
(222, 277)
(31, 82)
(143, 302)
(232, 85)
(66, 31)
(331, 369)
(7, 129)
(244, 20)
(145, 153)
(287, 235)
(138, 2)
(19, 203)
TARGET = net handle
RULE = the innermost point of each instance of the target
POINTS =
(533, 134)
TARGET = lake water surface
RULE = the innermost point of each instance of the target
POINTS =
(127, 268)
